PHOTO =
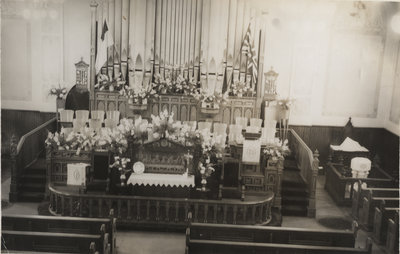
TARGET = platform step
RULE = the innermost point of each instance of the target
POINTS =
(290, 165)
(33, 178)
(293, 210)
(31, 196)
(295, 201)
(294, 191)
(35, 187)
(40, 163)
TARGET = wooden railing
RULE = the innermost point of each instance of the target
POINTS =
(26, 152)
(308, 163)
(141, 210)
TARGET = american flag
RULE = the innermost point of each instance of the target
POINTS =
(249, 50)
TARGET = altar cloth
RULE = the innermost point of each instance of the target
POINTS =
(172, 180)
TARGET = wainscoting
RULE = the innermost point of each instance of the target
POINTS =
(378, 140)
(19, 122)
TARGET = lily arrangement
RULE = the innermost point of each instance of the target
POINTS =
(59, 92)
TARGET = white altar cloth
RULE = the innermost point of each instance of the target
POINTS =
(172, 180)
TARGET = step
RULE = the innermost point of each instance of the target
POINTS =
(35, 187)
(30, 196)
(295, 201)
(294, 191)
(40, 163)
(290, 165)
(33, 178)
(292, 210)
(35, 171)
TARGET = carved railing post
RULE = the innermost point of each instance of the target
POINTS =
(48, 171)
(13, 195)
(311, 211)
(278, 194)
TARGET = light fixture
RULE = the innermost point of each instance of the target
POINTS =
(270, 85)
(395, 23)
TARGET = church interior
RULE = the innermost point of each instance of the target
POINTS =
(200, 126)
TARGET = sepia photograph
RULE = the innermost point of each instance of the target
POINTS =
(200, 126)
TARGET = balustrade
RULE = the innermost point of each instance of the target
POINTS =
(139, 209)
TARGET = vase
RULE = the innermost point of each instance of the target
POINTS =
(203, 183)
(284, 114)
(111, 88)
(60, 103)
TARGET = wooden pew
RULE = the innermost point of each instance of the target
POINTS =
(367, 212)
(71, 225)
(54, 242)
(359, 193)
(392, 239)
(217, 238)
(381, 220)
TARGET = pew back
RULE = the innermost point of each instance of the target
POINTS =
(69, 225)
(265, 234)
(52, 242)
(225, 247)
(381, 219)
(366, 214)
(360, 192)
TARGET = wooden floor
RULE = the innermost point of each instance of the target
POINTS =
(170, 242)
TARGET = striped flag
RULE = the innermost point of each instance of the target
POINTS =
(249, 50)
(106, 40)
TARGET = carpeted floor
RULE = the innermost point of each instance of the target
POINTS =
(338, 223)
(43, 209)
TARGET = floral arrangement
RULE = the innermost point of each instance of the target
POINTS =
(209, 146)
(122, 164)
(161, 85)
(59, 92)
(105, 84)
(277, 151)
(240, 89)
(285, 104)
(115, 140)
(213, 99)
(163, 124)
(139, 96)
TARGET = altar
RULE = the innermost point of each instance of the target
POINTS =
(169, 133)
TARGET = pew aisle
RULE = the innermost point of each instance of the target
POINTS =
(143, 242)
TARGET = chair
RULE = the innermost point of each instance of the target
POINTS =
(82, 115)
(66, 131)
(113, 115)
(220, 128)
(242, 121)
(256, 122)
(204, 125)
(235, 131)
(268, 132)
(66, 115)
(192, 124)
(95, 124)
(110, 123)
(78, 125)
(97, 114)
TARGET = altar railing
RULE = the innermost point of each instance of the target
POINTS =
(26, 152)
(308, 163)
(151, 211)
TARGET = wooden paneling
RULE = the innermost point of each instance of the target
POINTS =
(379, 141)
(19, 122)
